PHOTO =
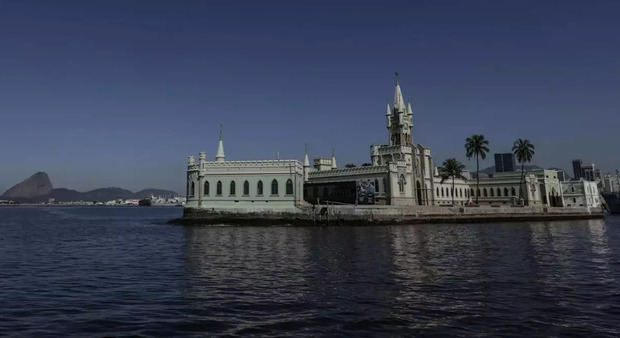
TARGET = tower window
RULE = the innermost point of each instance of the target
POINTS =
(206, 188)
(218, 188)
(246, 188)
(232, 188)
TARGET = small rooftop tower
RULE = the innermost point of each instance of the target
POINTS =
(220, 157)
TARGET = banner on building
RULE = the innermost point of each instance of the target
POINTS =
(365, 192)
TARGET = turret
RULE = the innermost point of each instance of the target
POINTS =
(334, 165)
(306, 165)
(220, 156)
(191, 160)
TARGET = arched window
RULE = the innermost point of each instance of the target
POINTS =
(484, 191)
(401, 183)
(218, 188)
(206, 188)
(492, 192)
(513, 192)
(437, 191)
(232, 187)
(246, 188)
(259, 188)
(478, 192)
(451, 191)
(192, 189)
(274, 187)
(471, 192)
(506, 192)
(376, 185)
(499, 192)
(289, 187)
(461, 192)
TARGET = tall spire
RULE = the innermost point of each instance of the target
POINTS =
(334, 165)
(399, 102)
(306, 160)
(220, 157)
(409, 111)
(388, 111)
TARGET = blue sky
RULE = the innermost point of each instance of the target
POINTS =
(118, 93)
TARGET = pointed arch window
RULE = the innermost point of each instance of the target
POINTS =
(478, 193)
(506, 192)
(259, 188)
(484, 191)
(437, 191)
(232, 188)
(499, 192)
(492, 192)
(206, 188)
(218, 188)
(246, 188)
(274, 187)
(192, 189)
(289, 187)
(513, 192)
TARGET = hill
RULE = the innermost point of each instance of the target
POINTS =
(38, 188)
(32, 188)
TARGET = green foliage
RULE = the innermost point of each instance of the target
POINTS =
(451, 168)
(476, 146)
(524, 150)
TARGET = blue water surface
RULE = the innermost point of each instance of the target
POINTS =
(102, 271)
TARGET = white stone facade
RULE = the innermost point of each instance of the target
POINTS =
(247, 185)
(581, 193)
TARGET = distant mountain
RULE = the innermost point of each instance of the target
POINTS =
(32, 188)
(38, 188)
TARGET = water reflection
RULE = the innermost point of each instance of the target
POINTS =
(425, 279)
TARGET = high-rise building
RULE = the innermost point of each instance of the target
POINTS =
(505, 162)
(577, 172)
(588, 172)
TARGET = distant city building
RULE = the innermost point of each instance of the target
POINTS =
(586, 171)
(611, 182)
(505, 162)
(577, 171)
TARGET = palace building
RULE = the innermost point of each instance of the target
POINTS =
(400, 173)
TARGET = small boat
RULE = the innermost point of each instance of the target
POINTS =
(145, 202)
(613, 202)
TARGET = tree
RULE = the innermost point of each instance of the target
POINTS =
(477, 146)
(451, 169)
(524, 150)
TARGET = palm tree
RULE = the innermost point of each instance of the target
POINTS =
(451, 169)
(477, 146)
(524, 150)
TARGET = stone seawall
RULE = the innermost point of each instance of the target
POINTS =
(370, 215)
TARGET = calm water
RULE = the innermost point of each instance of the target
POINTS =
(123, 271)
